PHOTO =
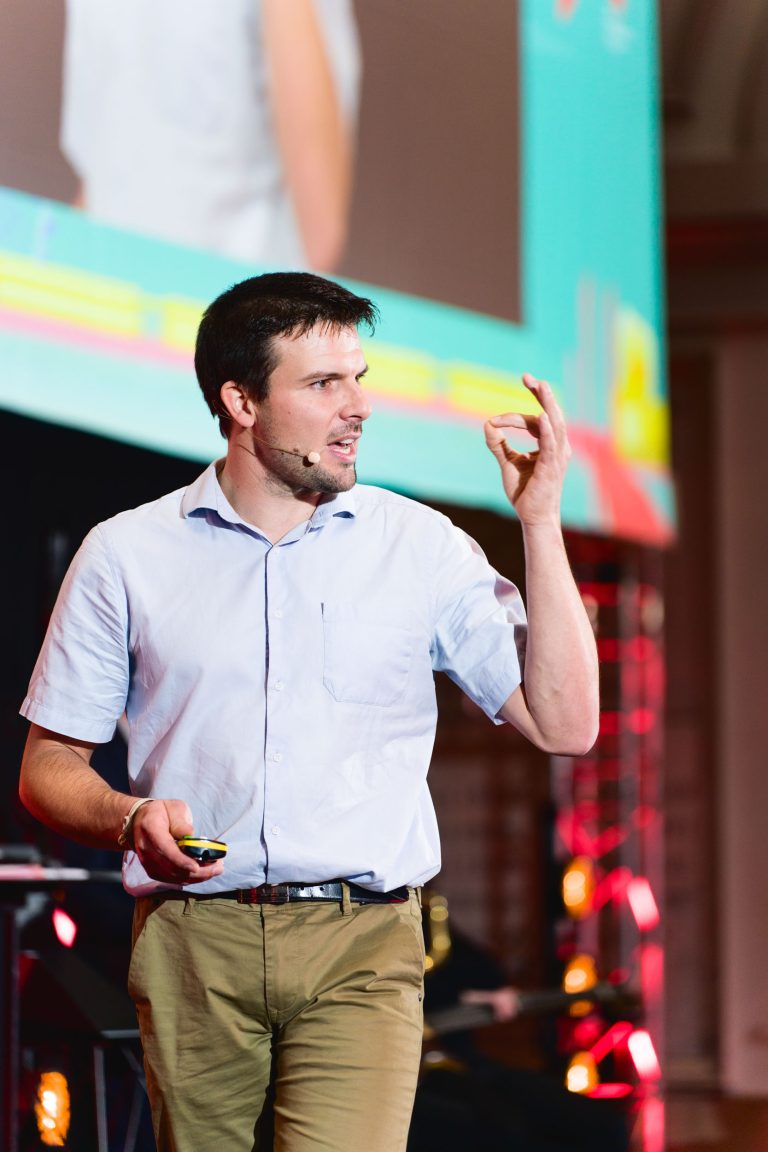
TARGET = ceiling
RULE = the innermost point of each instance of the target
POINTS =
(714, 57)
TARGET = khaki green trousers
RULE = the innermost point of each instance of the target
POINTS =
(336, 986)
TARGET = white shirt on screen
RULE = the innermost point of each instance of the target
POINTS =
(285, 691)
(166, 119)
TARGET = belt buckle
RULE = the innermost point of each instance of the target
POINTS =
(264, 894)
(273, 894)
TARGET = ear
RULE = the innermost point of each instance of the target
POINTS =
(237, 404)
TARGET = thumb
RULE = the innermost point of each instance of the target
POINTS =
(495, 440)
(180, 821)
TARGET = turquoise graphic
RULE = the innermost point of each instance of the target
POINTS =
(97, 326)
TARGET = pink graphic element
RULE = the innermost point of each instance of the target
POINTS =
(625, 506)
(105, 343)
(564, 9)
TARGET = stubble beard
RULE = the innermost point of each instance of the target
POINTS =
(294, 473)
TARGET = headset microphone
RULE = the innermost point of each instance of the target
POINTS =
(312, 457)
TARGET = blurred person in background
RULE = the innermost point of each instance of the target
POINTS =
(222, 126)
(468, 1099)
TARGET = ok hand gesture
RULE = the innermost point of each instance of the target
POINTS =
(533, 481)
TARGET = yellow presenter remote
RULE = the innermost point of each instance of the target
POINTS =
(201, 849)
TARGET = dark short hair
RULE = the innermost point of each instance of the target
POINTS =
(235, 340)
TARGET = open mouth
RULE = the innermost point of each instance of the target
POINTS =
(345, 448)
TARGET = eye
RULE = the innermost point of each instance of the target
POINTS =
(320, 385)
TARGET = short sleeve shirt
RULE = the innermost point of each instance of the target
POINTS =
(285, 691)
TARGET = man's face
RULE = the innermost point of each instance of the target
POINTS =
(315, 404)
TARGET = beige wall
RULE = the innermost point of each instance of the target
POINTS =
(741, 569)
(717, 607)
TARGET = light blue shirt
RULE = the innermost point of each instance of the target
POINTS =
(285, 691)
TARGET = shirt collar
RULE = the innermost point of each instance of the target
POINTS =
(205, 494)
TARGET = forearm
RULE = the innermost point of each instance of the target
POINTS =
(59, 787)
(314, 141)
(561, 671)
(63, 791)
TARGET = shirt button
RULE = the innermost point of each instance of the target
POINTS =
(279, 685)
(277, 757)
(275, 829)
(278, 613)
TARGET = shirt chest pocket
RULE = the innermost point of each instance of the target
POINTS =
(366, 658)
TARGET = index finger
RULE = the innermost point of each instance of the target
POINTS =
(543, 392)
(523, 421)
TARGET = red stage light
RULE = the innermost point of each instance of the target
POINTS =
(643, 904)
(610, 723)
(606, 595)
(639, 648)
(611, 1091)
(587, 1031)
(643, 1055)
(64, 927)
(651, 971)
(641, 721)
(612, 886)
(616, 1035)
(653, 1125)
(608, 650)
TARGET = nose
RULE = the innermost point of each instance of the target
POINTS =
(355, 403)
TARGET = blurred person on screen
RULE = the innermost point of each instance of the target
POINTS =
(222, 126)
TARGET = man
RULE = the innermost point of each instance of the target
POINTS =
(271, 632)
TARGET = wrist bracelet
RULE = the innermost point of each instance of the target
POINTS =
(125, 839)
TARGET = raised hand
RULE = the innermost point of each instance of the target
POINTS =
(533, 481)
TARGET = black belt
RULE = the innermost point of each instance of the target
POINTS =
(287, 893)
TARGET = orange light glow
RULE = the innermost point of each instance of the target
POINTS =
(52, 1109)
(581, 1075)
(578, 887)
(580, 973)
(579, 976)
